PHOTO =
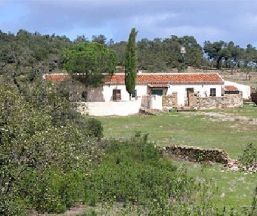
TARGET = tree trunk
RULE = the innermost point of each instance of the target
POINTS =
(218, 66)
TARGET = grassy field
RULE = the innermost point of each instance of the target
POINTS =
(249, 111)
(234, 188)
(184, 129)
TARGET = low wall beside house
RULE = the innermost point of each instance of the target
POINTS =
(169, 101)
(152, 102)
(110, 108)
(226, 101)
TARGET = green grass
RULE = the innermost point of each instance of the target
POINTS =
(234, 188)
(184, 129)
(247, 110)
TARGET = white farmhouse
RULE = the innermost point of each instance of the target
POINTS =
(161, 91)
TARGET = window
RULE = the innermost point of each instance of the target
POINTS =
(84, 96)
(116, 94)
(157, 92)
(212, 91)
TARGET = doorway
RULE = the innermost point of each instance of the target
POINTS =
(190, 95)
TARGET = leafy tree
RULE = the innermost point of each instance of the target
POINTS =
(42, 141)
(99, 39)
(119, 48)
(249, 56)
(216, 51)
(131, 63)
(80, 39)
(88, 61)
(164, 54)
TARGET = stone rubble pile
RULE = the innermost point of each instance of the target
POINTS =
(196, 154)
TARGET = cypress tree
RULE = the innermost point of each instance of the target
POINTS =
(131, 63)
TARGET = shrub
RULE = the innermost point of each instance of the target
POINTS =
(249, 156)
(41, 152)
(133, 171)
(94, 128)
(52, 191)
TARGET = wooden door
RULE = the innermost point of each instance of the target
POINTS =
(190, 94)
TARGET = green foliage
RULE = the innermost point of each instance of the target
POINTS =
(52, 190)
(133, 171)
(94, 128)
(164, 54)
(131, 62)
(120, 49)
(249, 156)
(88, 61)
(101, 39)
(30, 53)
(42, 155)
(222, 52)
(24, 55)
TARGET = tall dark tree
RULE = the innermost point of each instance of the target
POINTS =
(131, 63)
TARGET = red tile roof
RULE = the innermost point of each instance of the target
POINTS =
(183, 78)
(230, 88)
(151, 78)
(56, 77)
(158, 85)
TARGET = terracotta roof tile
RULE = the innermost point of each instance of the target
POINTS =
(56, 77)
(230, 88)
(153, 79)
(185, 78)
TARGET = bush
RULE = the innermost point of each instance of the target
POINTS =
(52, 191)
(249, 156)
(41, 153)
(94, 128)
(133, 171)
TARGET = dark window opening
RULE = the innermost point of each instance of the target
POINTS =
(157, 92)
(213, 92)
(116, 94)
(84, 95)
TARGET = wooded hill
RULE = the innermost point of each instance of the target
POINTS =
(34, 52)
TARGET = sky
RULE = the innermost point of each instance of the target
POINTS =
(212, 20)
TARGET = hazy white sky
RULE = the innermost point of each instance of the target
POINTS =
(205, 19)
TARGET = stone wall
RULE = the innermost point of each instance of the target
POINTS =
(195, 154)
(226, 101)
(197, 102)
(169, 101)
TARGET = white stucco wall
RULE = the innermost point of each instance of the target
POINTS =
(245, 89)
(203, 90)
(110, 108)
(108, 90)
(156, 102)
